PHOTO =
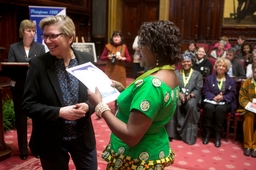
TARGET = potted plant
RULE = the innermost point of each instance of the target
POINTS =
(8, 113)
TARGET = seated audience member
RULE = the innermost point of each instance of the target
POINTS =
(220, 51)
(192, 49)
(246, 51)
(202, 64)
(236, 69)
(247, 94)
(183, 125)
(219, 93)
(249, 66)
(240, 41)
(227, 44)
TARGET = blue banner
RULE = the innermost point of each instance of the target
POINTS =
(37, 13)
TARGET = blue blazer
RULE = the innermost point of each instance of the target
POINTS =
(42, 101)
(210, 90)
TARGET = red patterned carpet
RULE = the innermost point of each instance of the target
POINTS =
(195, 157)
(190, 157)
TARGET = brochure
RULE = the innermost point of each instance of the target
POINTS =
(250, 108)
(214, 102)
(92, 77)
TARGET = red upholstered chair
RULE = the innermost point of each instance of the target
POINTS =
(205, 45)
(238, 118)
(212, 60)
(178, 66)
(201, 122)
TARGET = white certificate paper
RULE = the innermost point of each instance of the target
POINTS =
(92, 77)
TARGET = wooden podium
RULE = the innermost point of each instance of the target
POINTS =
(6, 70)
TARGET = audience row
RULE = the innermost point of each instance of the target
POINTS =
(213, 89)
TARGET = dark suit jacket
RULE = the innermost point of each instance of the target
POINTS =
(17, 54)
(238, 69)
(42, 101)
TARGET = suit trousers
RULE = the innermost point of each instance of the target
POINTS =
(20, 121)
(83, 158)
(249, 131)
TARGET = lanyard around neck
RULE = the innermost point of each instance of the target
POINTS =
(147, 73)
(185, 81)
(220, 84)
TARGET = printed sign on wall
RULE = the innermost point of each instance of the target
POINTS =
(37, 13)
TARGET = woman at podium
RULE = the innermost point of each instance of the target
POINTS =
(22, 51)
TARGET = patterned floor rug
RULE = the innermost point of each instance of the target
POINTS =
(188, 157)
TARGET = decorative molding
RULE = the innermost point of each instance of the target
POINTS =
(73, 6)
(236, 33)
(164, 9)
(208, 22)
(76, 2)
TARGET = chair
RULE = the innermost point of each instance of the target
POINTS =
(178, 66)
(212, 60)
(205, 45)
(238, 118)
(201, 121)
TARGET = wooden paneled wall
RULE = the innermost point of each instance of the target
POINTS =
(135, 12)
(199, 20)
(12, 12)
(202, 21)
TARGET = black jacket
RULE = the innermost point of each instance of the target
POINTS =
(43, 100)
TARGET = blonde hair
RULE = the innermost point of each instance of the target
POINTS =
(225, 38)
(24, 25)
(222, 60)
(65, 23)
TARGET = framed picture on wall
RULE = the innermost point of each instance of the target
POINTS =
(87, 48)
(239, 13)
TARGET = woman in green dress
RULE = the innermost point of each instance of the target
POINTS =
(139, 139)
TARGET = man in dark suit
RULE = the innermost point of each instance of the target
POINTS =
(236, 70)
(22, 51)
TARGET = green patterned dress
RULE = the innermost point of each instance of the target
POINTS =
(158, 101)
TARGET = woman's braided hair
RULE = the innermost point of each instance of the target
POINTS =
(163, 37)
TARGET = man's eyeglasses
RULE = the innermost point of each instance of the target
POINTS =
(50, 36)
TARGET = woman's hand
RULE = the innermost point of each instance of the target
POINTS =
(119, 57)
(117, 85)
(94, 98)
(218, 98)
(110, 56)
(182, 98)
